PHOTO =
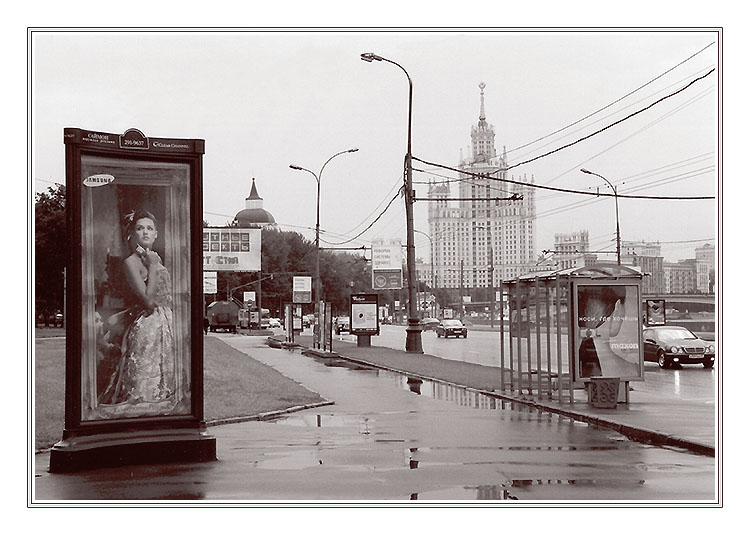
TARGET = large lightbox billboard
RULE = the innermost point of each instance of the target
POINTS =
(135, 349)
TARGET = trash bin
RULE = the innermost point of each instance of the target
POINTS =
(603, 392)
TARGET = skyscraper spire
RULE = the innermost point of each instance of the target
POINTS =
(483, 134)
(482, 85)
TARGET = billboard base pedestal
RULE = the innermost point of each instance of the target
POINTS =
(364, 340)
(147, 446)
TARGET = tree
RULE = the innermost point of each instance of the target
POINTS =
(49, 249)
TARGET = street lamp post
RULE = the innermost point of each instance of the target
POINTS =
(617, 209)
(318, 288)
(413, 330)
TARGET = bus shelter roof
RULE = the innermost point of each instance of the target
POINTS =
(595, 271)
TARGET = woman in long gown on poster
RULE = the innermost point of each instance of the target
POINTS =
(146, 371)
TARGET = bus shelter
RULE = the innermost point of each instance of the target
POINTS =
(570, 329)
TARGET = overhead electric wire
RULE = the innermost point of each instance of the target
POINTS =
(610, 125)
(665, 116)
(450, 179)
(398, 193)
(614, 102)
(586, 202)
(614, 113)
(398, 182)
(566, 190)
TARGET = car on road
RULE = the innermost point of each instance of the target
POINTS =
(429, 324)
(670, 345)
(448, 328)
(341, 324)
(274, 323)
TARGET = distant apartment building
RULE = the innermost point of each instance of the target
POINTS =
(647, 257)
(572, 250)
(705, 258)
(481, 230)
(680, 277)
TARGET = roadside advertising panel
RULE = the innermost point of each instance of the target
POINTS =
(607, 332)
(387, 265)
(363, 314)
(210, 282)
(134, 361)
(302, 290)
(656, 312)
(231, 249)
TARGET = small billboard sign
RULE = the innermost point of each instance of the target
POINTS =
(656, 312)
(386, 265)
(364, 314)
(302, 289)
(210, 283)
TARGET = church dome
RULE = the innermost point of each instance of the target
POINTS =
(254, 216)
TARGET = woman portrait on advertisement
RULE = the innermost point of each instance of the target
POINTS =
(136, 289)
(145, 371)
(601, 315)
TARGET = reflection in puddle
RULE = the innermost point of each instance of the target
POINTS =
(459, 395)
(513, 489)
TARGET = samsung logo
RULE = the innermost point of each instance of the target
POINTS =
(98, 180)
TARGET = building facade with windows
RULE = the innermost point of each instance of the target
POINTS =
(482, 230)
(572, 250)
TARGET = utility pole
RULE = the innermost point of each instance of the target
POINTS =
(461, 295)
(413, 330)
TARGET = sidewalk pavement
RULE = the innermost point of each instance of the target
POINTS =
(648, 417)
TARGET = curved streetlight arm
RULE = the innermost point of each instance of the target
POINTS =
(617, 208)
(332, 157)
(298, 168)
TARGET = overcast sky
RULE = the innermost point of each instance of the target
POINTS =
(265, 100)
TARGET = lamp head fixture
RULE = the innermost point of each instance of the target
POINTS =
(369, 56)
(296, 167)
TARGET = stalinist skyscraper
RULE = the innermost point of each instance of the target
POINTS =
(479, 232)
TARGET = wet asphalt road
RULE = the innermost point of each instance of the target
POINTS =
(390, 438)
(483, 347)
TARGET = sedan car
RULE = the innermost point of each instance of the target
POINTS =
(274, 323)
(428, 324)
(672, 346)
(448, 328)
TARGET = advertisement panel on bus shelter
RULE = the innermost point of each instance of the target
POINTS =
(607, 336)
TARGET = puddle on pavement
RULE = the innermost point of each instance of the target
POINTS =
(432, 389)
